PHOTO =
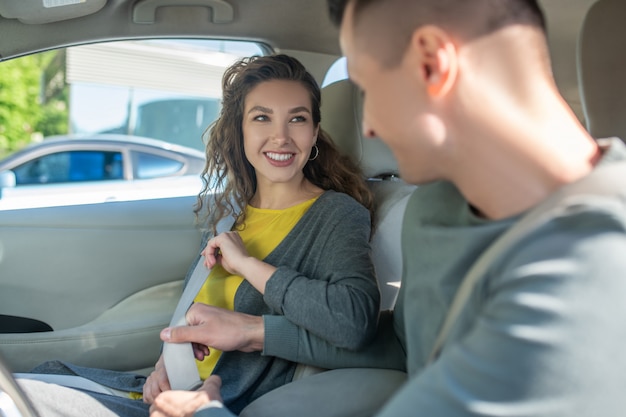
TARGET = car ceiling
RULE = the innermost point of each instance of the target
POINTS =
(297, 25)
(285, 24)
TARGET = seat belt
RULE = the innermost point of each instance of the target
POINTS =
(179, 360)
(604, 180)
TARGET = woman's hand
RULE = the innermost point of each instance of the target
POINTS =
(186, 403)
(227, 249)
(156, 383)
(218, 328)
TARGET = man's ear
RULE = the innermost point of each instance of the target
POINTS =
(437, 57)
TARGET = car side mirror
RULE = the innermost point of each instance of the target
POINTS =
(7, 180)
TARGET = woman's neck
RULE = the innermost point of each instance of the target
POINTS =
(277, 196)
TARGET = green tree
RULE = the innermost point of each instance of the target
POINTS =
(21, 111)
(19, 96)
(53, 119)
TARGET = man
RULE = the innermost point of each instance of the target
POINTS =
(462, 93)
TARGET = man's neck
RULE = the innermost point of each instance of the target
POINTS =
(518, 169)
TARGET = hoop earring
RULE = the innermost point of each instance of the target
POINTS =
(317, 153)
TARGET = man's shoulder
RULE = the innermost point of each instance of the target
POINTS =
(439, 204)
(601, 194)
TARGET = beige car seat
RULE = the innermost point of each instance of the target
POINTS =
(342, 119)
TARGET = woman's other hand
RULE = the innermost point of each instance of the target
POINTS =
(227, 249)
(156, 383)
(186, 403)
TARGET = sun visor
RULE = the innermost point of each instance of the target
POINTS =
(46, 11)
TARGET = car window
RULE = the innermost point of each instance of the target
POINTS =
(162, 89)
(147, 92)
(338, 71)
(70, 166)
(153, 166)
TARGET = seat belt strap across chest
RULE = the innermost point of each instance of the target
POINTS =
(179, 360)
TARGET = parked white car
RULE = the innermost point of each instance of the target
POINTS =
(87, 169)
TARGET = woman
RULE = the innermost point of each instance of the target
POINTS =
(297, 255)
(299, 247)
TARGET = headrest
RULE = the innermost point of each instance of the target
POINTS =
(342, 106)
(602, 68)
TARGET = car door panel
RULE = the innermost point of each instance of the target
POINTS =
(105, 277)
(13, 324)
(125, 337)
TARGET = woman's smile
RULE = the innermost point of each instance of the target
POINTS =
(280, 159)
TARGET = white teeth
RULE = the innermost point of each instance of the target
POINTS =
(279, 156)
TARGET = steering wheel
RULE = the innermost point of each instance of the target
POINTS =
(13, 402)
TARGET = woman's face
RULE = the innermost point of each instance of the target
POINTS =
(278, 131)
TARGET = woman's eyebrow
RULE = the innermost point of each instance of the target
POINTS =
(270, 111)
(300, 109)
(261, 109)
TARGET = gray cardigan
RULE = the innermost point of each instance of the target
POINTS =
(325, 284)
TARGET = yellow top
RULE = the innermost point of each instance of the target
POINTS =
(264, 230)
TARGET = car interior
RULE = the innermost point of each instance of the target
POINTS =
(601, 67)
(94, 284)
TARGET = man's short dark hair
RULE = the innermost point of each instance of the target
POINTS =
(398, 19)
(529, 10)
(336, 9)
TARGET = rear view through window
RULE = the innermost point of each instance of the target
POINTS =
(102, 102)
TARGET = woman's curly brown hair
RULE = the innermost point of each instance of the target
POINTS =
(227, 169)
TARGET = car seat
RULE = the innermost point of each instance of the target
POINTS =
(601, 61)
(341, 118)
(352, 391)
